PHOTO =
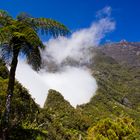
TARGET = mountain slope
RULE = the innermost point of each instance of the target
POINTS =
(118, 94)
(119, 91)
(127, 53)
(117, 71)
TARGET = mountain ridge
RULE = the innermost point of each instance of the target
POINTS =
(118, 95)
(124, 52)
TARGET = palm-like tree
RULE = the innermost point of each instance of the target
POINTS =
(20, 36)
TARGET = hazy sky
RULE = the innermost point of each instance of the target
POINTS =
(77, 14)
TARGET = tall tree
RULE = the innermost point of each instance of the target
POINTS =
(20, 36)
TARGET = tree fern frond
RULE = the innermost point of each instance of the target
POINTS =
(6, 53)
(27, 19)
(32, 37)
(23, 16)
(34, 58)
(25, 49)
(49, 26)
(5, 18)
(45, 25)
(5, 35)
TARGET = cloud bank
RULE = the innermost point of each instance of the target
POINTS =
(77, 46)
(62, 64)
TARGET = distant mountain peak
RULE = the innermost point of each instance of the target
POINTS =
(124, 52)
(123, 41)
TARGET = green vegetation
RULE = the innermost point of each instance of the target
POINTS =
(113, 113)
(23, 110)
(115, 100)
(20, 36)
(117, 94)
(58, 120)
(107, 129)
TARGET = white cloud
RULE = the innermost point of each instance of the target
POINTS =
(77, 46)
(105, 12)
(32, 81)
(76, 83)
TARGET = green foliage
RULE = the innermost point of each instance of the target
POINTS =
(60, 119)
(117, 97)
(20, 36)
(45, 25)
(118, 91)
(23, 108)
(23, 32)
(5, 18)
(3, 70)
(107, 129)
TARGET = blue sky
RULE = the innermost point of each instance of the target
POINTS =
(77, 14)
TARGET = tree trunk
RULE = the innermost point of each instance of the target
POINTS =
(10, 90)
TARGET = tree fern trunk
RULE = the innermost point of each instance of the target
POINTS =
(10, 90)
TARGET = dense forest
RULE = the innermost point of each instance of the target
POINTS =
(113, 113)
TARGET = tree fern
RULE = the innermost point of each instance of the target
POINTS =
(21, 36)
